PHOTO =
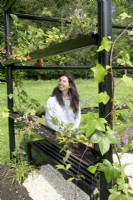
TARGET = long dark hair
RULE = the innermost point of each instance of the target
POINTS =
(72, 93)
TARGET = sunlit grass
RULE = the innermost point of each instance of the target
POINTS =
(41, 90)
(4, 141)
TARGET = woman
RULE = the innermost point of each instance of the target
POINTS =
(63, 107)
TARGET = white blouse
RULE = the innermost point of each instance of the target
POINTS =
(62, 115)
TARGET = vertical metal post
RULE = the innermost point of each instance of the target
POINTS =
(105, 30)
(10, 107)
(9, 85)
(7, 35)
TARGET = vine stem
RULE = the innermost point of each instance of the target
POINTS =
(119, 36)
(111, 60)
(79, 168)
(117, 156)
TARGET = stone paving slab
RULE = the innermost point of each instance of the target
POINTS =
(49, 184)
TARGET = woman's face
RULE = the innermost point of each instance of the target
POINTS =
(63, 84)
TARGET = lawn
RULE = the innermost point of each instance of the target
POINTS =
(41, 90)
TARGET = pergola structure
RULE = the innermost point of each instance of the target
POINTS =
(104, 15)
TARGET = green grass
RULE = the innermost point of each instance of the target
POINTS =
(4, 141)
(41, 90)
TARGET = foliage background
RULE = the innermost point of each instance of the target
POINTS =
(76, 11)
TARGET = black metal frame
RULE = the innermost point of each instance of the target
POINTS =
(104, 30)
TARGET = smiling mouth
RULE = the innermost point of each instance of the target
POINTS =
(60, 86)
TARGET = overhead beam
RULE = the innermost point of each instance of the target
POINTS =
(9, 4)
(83, 41)
(41, 18)
(50, 67)
(55, 19)
(122, 27)
(82, 67)
(80, 42)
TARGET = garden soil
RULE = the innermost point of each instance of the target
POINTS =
(10, 191)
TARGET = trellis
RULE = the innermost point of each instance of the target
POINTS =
(104, 30)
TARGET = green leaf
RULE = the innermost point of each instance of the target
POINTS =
(99, 72)
(68, 153)
(127, 80)
(104, 145)
(14, 17)
(107, 168)
(116, 195)
(121, 183)
(93, 168)
(93, 123)
(121, 61)
(117, 171)
(121, 117)
(130, 32)
(112, 136)
(81, 138)
(100, 125)
(125, 60)
(19, 25)
(70, 179)
(60, 167)
(102, 98)
(124, 15)
(96, 137)
(88, 116)
(91, 127)
(68, 166)
(105, 45)
(108, 66)
(89, 122)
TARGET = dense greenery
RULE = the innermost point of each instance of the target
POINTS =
(83, 17)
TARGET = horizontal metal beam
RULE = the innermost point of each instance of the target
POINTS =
(122, 27)
(61, 67)
(49, 67)
(83, 41)
(41, 18)
(9, 4)
(80, 42)
(55, 19)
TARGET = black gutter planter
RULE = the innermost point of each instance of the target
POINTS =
(53, 155)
